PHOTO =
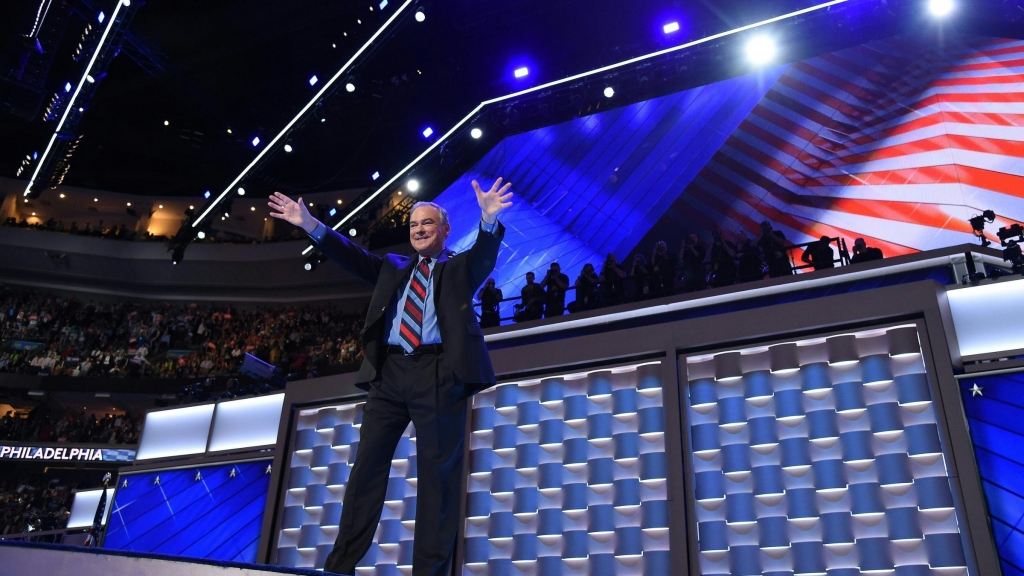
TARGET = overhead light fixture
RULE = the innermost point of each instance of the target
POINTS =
(252, 208)
(522, 72)
(229, 131)
(206, 194)
(313, 80)
(413, 185)
(671, 27)
(161, 206)
(89, 79)
(420, 16)
(567, 80)
(375, 175)
(383, 4)
(288, 148)
(167, 122)
(101, 17)
(339, 201)
(95, 199)
(129, 204)
(427, 132)
(609, 92)
(201, 235)
(191, 207)
(940, 8)
(353, 232)
(67, 87)
(476, 133)
(256, 141)
(241, 191)
(760, 50)
(62, 196)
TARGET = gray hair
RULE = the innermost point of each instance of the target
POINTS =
(440, 210)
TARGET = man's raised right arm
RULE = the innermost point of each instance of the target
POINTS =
(352, 257)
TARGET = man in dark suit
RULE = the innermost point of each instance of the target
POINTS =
(424, 357)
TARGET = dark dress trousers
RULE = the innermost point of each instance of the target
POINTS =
(429, 389)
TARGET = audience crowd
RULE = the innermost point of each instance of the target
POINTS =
(33, 505)
(121, 232)
(727, 260)
(43, 424)
(50, 334)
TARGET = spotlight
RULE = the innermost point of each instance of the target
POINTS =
(420, 16)
(101, 17)
(241, 191)
(252, 208)
(62, 196)
(161, 206)
(94, 200)
(760, 50)
(201, 235)
(229, 131)
(89, 79)
(476, 133)
(67, 88)
(339, 202)
(206, 194)
(383, 4)
(940, 8)
(353, 232)
(413, 185)
(671, 27)
(331, 213)
(167, 122)
(609, 92)
(288, 148)
(191, 207)
(256, 141)
(350, 87)
(522, 72)
(313, 80)
(427, 132)
(129, 204)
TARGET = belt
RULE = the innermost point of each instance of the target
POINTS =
(419, 350)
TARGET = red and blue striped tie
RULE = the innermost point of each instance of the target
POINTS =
(412, 315)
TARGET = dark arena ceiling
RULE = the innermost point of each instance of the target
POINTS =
(196, 81)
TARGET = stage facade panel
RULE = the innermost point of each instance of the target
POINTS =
(821, 455)
(568, 475)
(212, 511)
(324, 444)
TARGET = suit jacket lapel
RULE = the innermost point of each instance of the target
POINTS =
(435, 277)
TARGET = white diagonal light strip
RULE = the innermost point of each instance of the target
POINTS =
(608, 68)
(326, 87)
(71, 102)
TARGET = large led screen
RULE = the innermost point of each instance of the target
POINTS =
(821, 456)
(213, 512)
(995, 413)
(898, 141)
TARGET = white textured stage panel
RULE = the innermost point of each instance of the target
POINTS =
(568, 476)
(324, 446)
(177, 432)
(83, 507)
(246, 423)
(35, 560)
(821, 456)
(988, 318)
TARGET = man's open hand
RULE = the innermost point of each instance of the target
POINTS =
(291, 211)
(493, 201)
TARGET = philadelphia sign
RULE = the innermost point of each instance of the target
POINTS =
(66, 454)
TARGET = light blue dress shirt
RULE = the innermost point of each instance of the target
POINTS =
(429, 333)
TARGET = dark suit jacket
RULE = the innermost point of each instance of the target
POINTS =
(455, 279)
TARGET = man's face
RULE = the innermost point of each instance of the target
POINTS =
(556, 268)
(529, 277)
(426, 233)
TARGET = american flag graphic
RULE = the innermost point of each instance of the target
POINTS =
(899, 141)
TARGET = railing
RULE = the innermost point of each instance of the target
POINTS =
(49, 536)
(843, 259)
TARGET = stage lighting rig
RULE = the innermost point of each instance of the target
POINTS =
(978, 225)
(1011, 237)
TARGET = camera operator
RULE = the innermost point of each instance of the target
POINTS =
(773, 246)
(663, 270)
(489, 296)
(613, 290)
(723, 263)
(531, 304)
(692, 256)
(555, 284)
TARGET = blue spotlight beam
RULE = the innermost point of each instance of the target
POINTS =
(327, 86)
(570, 79)
(78, 89)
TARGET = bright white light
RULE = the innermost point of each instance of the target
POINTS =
(288, 148)
(522, 72)
(229, 131)
(241, 191)
(126, 2)
(312, 80)
(671, 27)
(413, 185)
(350, 87)
(476, 133)
(95, 199)
(129, 204)
(200, 234)
(427, 132)
(339, 201)
(89, 79)
(62, 196)
(940, 8)
(761, 50)
(375, 175)
(383, 4)
(67, 87)
(167, 122)
(609, 92)
(101, 17)
(256, 141)
(420, 16)
(352, 232)
(252, 208)
(161, 206)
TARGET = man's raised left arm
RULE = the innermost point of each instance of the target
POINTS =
(484, 253)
